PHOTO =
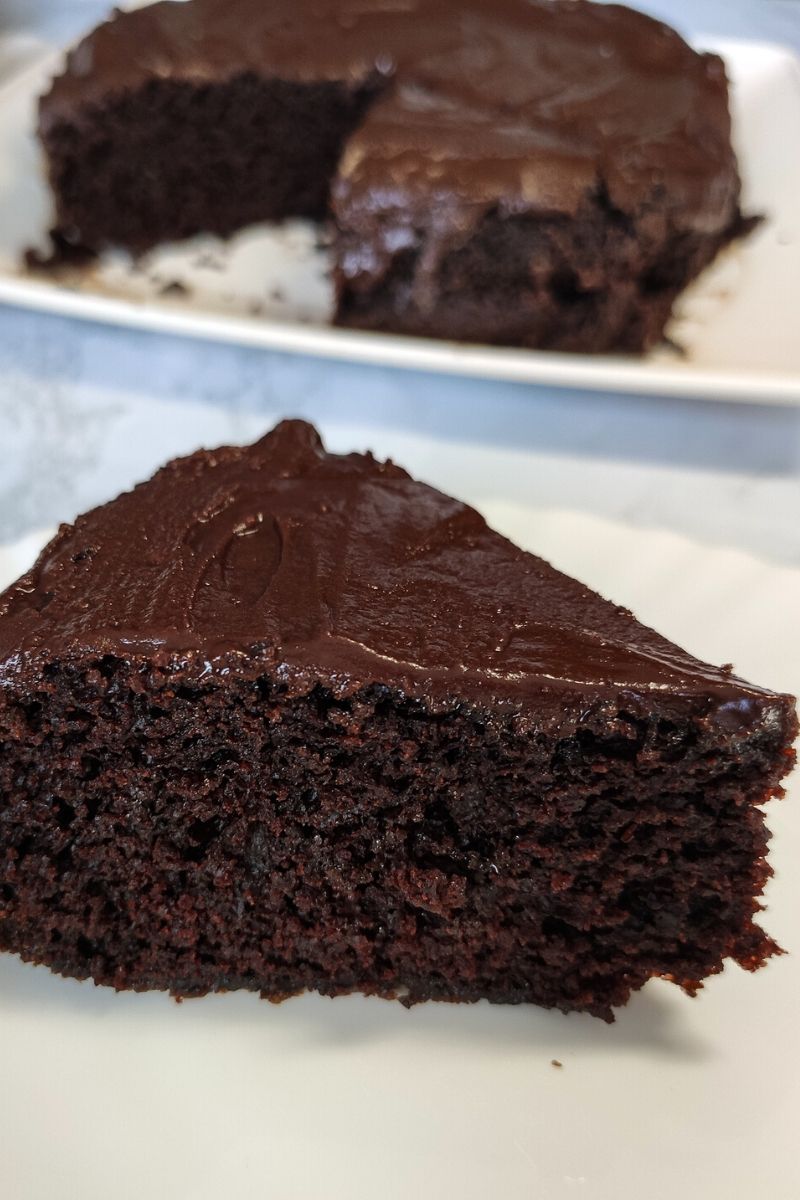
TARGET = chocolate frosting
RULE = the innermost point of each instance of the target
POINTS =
(340, 570)
(522, 105)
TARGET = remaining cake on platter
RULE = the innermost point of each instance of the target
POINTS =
(544, 173)
(280, 719)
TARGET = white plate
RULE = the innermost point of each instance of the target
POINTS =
(138, 1098)
(268, 287)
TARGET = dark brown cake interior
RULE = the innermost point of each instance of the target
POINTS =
(282, 720)
(171, 160)
(167, 832)
(590, 284)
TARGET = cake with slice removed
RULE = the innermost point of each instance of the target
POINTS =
(542, 173)
(280, 719)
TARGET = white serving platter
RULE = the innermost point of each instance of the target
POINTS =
(134, 1096)
(738, 326)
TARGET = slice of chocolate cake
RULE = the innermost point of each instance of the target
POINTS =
(280, 719)
(545, 173)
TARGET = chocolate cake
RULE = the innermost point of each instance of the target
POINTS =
(545, 173)
(282, 720)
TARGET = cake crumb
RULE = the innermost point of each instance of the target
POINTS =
(209, 262)
(174, 288)
(63, 254)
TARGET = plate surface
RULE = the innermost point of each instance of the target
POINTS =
(355, 1099)
(268, 287)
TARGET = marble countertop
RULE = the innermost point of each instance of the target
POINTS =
(87, 410)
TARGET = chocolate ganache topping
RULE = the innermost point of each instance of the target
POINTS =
(522, 105)
(343, 570)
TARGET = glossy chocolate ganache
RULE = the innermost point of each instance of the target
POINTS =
(527, 102)
(341, 570)
(536, 172)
